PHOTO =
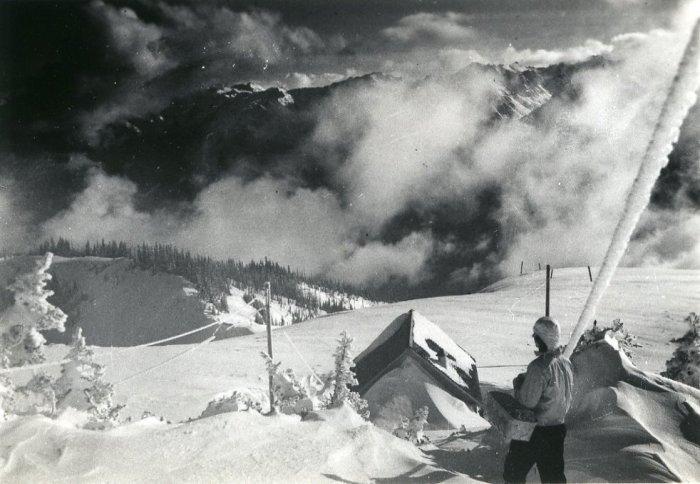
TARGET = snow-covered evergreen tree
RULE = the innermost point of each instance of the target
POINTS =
(81, 384)
(343, 378)
(20, 341)
(684, 365)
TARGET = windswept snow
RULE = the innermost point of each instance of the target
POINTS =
(335, 446)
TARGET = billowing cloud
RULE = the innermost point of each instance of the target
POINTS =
(267, 218)
(377, 263)
(442, 28)
(140, 43)
(105, 210)
(417, 151)
(244, 221)
(544, 57)
(408, 142)
(666, 239)
(564, 203)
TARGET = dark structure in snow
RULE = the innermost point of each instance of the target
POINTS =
(412, 364)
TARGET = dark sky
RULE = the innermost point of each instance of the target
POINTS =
(75, 76)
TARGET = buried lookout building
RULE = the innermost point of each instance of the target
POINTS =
(412, 364)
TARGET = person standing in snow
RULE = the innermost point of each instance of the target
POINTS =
(546, 388)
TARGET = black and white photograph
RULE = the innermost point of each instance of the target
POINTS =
(349, 241)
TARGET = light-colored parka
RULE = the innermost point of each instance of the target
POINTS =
(547, 388)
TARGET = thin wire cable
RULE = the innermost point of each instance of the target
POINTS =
(152, 343)
(302, 357)
(178, 336)
(172, 358)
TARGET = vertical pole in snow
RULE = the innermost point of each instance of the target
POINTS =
(539, 266)
(521, 267)
(546, 303)
(590, 276)
(269, 340)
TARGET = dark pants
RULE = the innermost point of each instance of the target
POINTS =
(545, 448)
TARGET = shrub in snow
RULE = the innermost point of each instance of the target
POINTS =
(625, 340)
(291, 396)
(37, 396)
(22, 344)
(238, 401)
(684, 365)
(343, 377)
(81, 384)
(412, 429)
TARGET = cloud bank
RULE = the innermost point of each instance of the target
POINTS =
(410, 179)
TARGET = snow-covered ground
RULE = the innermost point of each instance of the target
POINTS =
(176, 382)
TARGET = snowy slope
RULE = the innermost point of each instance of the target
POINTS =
(118, 304)
(494, 326)
(335, 298)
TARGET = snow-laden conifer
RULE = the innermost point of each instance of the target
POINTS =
(20, 341)
(82, 386)
(684, 365)
(343, 378)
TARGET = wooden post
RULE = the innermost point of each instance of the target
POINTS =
(590, 276)
(269, 341)
(546, 304)
(521, 267)
(539, 266)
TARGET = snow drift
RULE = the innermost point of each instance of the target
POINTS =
(629, 425)
(336, 445)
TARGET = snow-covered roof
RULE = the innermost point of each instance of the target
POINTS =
(426, 339)
(429, 338)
